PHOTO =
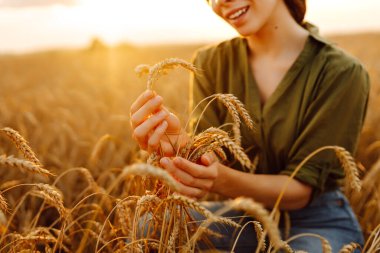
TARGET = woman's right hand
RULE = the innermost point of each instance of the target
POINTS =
(150, 121)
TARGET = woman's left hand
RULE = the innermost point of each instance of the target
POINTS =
(196, 179)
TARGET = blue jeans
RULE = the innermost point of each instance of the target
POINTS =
(328, 215)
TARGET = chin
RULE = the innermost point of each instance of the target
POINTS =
(247, 31)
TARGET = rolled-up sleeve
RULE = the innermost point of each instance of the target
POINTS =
(334, 117)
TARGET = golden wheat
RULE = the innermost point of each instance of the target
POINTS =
(188, 202)
(143, 169)
(350, 168)
(23, 165)
(157, 70)
(3, 204)
(349, 248)
(64, 124)
(234, 105)
(259, 234)
(52, 196)
(21, 144)
(257, 211)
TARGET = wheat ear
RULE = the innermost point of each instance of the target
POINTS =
(226, 99)
(350, 168)
(349, 248)
(259, 234)
(233, 101)
(124, 213)
(143, 169)
(3, 203)
(23, 165)
(157, 70)
(21, 144)
(51, 196)
(326, 247)
(236, 150)
(261, 214)
(187, 202)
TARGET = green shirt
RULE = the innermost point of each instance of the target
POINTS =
(322, 100)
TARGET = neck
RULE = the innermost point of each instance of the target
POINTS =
(279, 35)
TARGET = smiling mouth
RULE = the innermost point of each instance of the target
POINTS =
(237, 14)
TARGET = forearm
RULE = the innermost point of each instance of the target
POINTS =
(262, 188)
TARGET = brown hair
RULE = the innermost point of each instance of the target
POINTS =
(297, 9)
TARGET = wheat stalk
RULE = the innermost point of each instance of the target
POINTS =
(143, 169)
(3, 203)
(154, 159)
(236, 150)
(286, 248)
(201, 150)
(125, 214)
(261, 214)
(211, 136)
(349, 248)
(259, 234)
(187, 202)
(326, 247)
(51, 196)
(99, 147)
(232, 101)
(147, 199)
(142, 69)
(350, 168)
(23, 165)
(173, 236)
(157, 70)
(90, 180)
(21, 144)
(226, 99)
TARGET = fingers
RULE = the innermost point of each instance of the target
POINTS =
(194, 169)
(141, 100)
(147, 109)
(191, 192)
(168, 148)
(208, 158)
(142, 131)
(174, 123)
(154, 139)
(185, 178)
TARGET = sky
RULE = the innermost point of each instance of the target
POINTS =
(29, 25)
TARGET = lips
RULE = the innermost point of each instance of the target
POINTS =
(237, 13)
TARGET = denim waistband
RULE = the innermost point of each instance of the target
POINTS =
(335, 196)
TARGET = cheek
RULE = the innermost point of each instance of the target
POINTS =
(216, 8)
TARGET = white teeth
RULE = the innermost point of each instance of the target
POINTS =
(238, 13)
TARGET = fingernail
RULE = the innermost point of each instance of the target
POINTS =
(148, 94)
(162, 113)
(158, 98)
(177, 160)
(164, 161)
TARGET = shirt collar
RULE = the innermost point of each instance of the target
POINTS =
(314, 33)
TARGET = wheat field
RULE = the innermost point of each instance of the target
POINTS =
(73, 180)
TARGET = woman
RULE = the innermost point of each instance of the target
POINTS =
(304, 94)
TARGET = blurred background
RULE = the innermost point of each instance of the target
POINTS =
(29, 25)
